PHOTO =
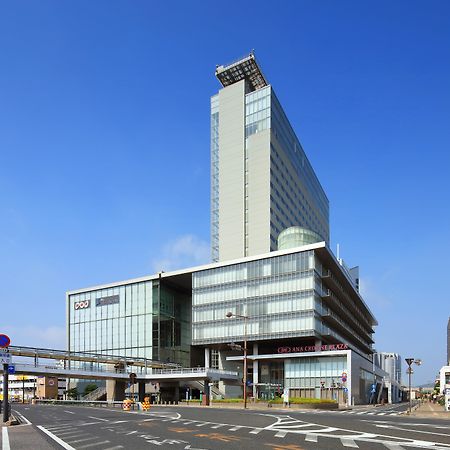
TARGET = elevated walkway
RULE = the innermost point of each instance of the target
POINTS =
(157, 375)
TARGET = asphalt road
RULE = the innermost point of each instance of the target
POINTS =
(196, 428)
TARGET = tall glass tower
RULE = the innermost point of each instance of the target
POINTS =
(261, 179)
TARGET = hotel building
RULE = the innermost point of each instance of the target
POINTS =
(298, 308)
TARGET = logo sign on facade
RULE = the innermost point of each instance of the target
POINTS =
(111, 300)
(313, 348)
(82, 305)
(4, 341)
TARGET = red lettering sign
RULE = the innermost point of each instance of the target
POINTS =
(313, 348)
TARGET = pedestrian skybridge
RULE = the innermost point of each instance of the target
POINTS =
(106, 367)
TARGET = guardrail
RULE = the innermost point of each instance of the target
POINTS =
(99, 404)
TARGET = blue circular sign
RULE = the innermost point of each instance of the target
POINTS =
(4, 341)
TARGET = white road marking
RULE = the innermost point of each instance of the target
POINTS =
(311, 438)
(82, 440)
(69, 433)
(98, 418)
(281, 434)
(94, 444)
(23, 418)
(219, 425)
(114, 448)
(349, 443)
(56, 438)
(201, 424)
(89, 423)
(256, 431)
(235, 428)
(131, 432)
(69, 412)
(5, 439)
(411, 431)
(393, 446)
(120, 421)
(381, 414)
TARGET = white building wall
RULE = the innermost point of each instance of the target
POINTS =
(231, 171)
(258, 215)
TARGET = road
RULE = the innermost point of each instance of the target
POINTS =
(196, 428)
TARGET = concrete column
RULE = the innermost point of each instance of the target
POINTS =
(206, 392)
(255, 371)
(115, 390)
(207, 358)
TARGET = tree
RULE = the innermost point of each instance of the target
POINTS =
(73, 393)
(89, 388)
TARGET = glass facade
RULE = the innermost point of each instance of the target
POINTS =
(276, 293)
(257, 111)
(115, 321)
(146, 319)
(311, 372)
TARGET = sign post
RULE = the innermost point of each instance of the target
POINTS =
(5, 358)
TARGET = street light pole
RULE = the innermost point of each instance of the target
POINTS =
(244, 378)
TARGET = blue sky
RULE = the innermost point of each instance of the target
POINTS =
(104, 146)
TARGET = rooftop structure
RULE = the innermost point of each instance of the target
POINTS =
(246, 68)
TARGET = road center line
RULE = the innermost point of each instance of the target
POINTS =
(98, 418)
(56, 438)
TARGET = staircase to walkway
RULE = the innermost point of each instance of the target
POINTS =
(214, 390)
(98, 394)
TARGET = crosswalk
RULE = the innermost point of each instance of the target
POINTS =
(75, 436)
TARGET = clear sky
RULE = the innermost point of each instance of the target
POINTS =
(104, 146)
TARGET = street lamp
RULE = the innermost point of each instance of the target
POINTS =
(410, 371)
(229, 315)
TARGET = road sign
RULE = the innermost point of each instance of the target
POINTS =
(5, 357)
(11, 369)
(345, 390)
(4, 341)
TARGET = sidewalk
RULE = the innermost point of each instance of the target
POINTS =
(431, 411)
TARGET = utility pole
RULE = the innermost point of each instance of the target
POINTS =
(6, 360)
(244, 378)
(5, 393)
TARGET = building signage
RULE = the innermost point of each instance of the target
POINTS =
(312, 348)
(111, 300)
(82, 305)
(4, 341)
